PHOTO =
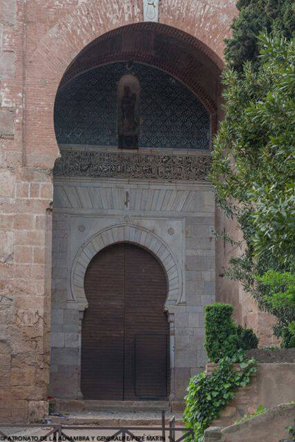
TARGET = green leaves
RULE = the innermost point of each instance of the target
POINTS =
(225, 342)
(208, 395)
(291, 430)
(280, 288)
(253, 167)
(279, 298)
(260, 410)
(222, 336)
(256, 16)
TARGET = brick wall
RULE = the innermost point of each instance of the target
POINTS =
(25, 219)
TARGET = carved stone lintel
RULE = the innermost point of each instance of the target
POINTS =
(92, 164)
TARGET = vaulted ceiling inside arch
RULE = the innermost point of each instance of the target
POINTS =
(166, 48)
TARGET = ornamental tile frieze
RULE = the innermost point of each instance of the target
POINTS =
(90, 164)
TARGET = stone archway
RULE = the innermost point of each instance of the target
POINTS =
(58, 52)
(45, 46)
(124, 233)
(125, 332)
(58, 49)
(130, 234)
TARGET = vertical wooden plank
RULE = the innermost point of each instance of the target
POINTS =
(103, 327)
(125, 330)
(145, 296)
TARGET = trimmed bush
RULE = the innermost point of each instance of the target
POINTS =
(223, 336)
(288, 336)
(219, 331)
(247, 338)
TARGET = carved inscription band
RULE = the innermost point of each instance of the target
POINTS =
(78, 163)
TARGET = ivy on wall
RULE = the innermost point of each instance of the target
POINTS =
(225, 343)
(222, 335)
(208, 395)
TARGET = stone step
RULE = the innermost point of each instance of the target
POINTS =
(63, 405)
(117, 417)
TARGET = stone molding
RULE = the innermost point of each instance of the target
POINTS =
(131, 234)
(98, 164)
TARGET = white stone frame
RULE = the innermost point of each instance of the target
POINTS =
(132, 234)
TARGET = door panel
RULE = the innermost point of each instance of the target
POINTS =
(103, 327)
(151, 366)
(145, 295)
(125, 330)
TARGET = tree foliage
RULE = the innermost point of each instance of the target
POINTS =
(280, 296)
(254, 165)
(255, 17)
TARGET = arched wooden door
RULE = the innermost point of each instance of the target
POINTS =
(125, 332)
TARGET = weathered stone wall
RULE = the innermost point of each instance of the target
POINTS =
(25, 221)
(270, 387)
(246, 311)
(270, 427)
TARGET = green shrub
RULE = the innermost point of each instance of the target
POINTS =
(208, 395)
(279, 299)
(291, 430)
(247, 338)
(222, 336)
(288, 336)
(219, 331)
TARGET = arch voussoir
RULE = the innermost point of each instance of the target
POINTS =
(132, 234)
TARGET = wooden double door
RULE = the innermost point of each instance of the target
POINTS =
(125, 331)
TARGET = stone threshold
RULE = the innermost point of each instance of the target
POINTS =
(100, 405)
(113, 413)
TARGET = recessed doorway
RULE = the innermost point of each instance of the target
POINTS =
(125, 330)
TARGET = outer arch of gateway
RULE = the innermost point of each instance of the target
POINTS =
(170, 211)
(99, 188)
(190, 199)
